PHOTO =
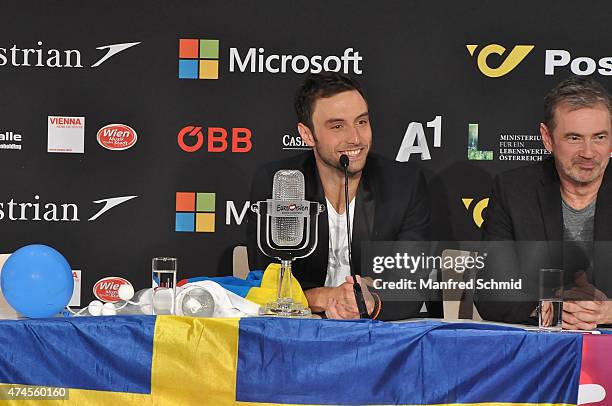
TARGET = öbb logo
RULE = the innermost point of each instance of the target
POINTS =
(191, 139)
(107, 289)
(117, 137)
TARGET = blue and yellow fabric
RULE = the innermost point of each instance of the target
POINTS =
(168, 360)
(259, 286)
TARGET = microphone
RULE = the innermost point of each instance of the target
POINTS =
(363, 313)
(287, 230)
(287, 188)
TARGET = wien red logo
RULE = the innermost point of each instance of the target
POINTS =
(192, 139)
(117, 137)
(107, 289)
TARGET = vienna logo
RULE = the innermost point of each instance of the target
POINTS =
(511, 61)
(117, 137)
(66, 134)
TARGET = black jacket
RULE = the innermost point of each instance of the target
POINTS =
(525, 205)
(391, 205)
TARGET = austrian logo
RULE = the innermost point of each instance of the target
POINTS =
(117, 137)
(41, 56)
(37, 210)
(510, 62)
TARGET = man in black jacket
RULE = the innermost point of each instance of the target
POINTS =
(388, 200)
(566, 198)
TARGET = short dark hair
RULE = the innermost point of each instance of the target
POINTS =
(578, 92)
(319, 85)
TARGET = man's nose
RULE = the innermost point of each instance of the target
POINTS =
(353, 135)
(588, 149)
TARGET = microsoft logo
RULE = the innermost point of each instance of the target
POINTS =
(195, 212)
(198, 58)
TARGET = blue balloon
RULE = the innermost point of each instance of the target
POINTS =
(36, 280)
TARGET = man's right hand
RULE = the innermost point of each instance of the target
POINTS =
(339, 302)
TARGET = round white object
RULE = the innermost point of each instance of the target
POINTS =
(109, 309)
(95, 308)
(125, 292)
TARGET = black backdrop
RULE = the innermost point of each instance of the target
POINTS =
(415, 66)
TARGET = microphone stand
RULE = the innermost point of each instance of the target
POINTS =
(363, 313)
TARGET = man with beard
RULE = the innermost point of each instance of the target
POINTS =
(566, 198)
(388, 200)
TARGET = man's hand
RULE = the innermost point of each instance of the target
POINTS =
(585, 306)
(546, 314)
(586, 315)
(341, 302)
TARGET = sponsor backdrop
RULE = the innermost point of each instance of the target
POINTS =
(132, 130)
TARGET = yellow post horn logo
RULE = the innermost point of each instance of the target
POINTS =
(478, 209)
(518, 53)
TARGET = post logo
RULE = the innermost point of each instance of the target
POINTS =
(472, 150)
(198, 58)
(516, 56)
(195, 212)
(478, 209)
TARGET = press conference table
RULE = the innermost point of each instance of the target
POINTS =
(180, 360)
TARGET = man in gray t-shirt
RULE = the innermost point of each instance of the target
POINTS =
(566, 198)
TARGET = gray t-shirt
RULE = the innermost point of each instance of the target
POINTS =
(578, 226)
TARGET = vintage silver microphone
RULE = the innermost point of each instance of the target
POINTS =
(287, 230)
(287, 186)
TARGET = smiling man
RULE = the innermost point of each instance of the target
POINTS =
(388, 200)
(566, 198)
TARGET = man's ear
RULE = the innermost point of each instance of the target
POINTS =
(306, 134)
(546, 137)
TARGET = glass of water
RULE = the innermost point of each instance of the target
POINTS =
(163, 284)
(550, 311)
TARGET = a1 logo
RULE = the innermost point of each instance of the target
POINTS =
(414, 141)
